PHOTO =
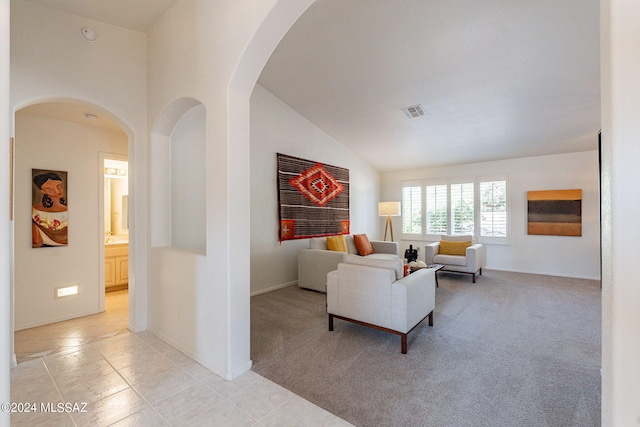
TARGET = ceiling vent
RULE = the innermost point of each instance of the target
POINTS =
(413, 112)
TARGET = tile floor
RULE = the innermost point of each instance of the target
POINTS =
(129, 379)
(69, 335)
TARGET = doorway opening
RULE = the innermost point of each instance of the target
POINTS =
(71, 137)
(115, 222)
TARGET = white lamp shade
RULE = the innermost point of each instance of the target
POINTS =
(389, 208)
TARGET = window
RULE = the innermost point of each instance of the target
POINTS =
(493, 208)
(476, 206)
(436, 209)
(462, 218)
(412, 210)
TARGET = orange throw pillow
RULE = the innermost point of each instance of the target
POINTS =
(363, 244)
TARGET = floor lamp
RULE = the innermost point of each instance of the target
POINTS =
(389, 209)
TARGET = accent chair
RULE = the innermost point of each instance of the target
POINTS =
(380, 297)
(458, 254)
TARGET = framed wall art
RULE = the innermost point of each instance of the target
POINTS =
(49, 215)
(554, 212)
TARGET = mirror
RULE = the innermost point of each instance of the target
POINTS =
(116, 201)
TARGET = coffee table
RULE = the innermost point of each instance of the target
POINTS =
(434, 267)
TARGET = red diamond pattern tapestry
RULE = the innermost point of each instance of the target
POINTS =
(313, 198)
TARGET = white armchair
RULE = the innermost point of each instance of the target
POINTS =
(471, 263)
(377, 298)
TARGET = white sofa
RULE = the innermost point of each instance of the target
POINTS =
(471, 263)
(380, 297)
(316, 261)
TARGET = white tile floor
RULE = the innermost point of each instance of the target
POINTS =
(138, 380)
(72, 334)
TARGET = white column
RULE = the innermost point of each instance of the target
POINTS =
(6, 329)
(620, 44)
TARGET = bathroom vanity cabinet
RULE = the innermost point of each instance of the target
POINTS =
(116, 266)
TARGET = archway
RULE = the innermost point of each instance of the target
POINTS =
(68, 135)
(273, 28)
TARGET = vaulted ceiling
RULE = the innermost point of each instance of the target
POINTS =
(497, 79)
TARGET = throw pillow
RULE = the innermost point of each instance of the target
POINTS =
(337, 243)
(453, 248)
(363, 244)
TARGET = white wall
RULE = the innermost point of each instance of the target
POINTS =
(553, 255)
(51, 61)
(49, 58)
(276, 128)
(6, 296)
(187, 171)
(44, 143)
(620, 43)
(179, 224)
(213, 52)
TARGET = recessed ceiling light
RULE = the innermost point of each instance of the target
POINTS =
(413, 112)
(88, 34)
(90, 116)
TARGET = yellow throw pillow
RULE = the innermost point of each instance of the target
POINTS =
(453, 248)
(337, 243)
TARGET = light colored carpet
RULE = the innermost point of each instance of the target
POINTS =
(510, 350)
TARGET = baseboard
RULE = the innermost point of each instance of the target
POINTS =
(117, 288)
(186, 352)
(54, 320)
(173, 344)
(569, 276)
(274, 288)
(231, 375)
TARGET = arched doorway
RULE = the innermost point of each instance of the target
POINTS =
(266, 38)
(71, 137)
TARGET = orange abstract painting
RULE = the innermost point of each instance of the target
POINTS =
(554, 212)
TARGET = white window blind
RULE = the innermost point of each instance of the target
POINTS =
(493, 209)
(436, 209)
(462, 209)
(412, 210)
(478, 206)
